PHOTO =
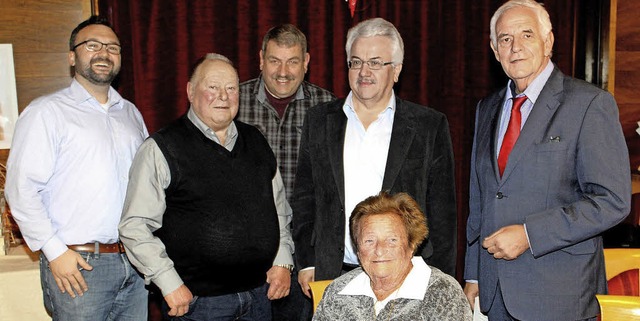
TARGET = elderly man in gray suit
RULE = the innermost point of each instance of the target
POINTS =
(547, 177)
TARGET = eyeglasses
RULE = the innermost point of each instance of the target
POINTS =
(374, 64)
(95, 46)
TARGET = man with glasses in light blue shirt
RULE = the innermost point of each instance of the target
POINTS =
(67, 176)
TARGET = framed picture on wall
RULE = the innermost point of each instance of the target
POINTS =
(8, 96)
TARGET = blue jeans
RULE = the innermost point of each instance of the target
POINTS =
(116, 291)
(252, 305)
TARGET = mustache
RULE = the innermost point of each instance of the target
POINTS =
(287, 77)
(366, 80)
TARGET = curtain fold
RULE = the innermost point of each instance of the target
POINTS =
(448, 63)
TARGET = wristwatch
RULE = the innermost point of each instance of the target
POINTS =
(286, 266)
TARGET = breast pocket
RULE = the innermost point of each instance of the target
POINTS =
(552, 151)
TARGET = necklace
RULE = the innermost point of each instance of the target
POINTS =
(392, 299)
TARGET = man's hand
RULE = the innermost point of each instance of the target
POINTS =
(279, 280)
(67, 275)
(471, 291)
(507, 243)
(304, 277)
(178, 301)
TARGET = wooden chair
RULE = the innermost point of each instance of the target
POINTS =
(317, 290)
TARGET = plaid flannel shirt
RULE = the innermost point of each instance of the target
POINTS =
(283, 134)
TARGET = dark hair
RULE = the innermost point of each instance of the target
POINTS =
(401, 205)
(93, 20)
(285, 35)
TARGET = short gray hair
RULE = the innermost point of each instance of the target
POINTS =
(377, 27)
(209, 57)
(541, 13)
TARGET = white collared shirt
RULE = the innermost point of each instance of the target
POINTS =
(364, 159)
(413, 287)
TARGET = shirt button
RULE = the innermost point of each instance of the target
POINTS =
(499, 195)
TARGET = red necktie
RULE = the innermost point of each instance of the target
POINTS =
(511, 135)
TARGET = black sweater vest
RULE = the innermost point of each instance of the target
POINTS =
(220, 227)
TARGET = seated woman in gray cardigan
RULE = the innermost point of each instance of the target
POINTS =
(392, 284)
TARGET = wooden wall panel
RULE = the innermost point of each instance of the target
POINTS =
(39, 32)
(627, 74)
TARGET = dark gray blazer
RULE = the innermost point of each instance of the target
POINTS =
(567, 180)
(420, 163)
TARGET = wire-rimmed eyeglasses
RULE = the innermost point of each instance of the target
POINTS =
(374, 64)
(95, 46)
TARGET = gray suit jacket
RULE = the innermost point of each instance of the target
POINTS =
(420, 163)
(567, 180)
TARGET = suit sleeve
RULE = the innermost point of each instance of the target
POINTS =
(441, 201)
(303, 204)
(473, 222)
(602, 169)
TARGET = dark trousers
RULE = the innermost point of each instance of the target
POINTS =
(294, 307)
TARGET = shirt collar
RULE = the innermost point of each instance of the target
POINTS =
(535, 87)
(80, 95)
(413, 287)
(232, 130)
(348, 104)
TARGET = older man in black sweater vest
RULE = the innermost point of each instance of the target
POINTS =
(205, 216)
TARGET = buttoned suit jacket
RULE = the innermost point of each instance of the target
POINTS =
(419, 162)
(568, 180)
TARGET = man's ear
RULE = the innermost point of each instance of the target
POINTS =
(307, 58)
(189, 92)
(72, 58)
(396, 72)
(261, 54)
(495, 52)
(548, 45)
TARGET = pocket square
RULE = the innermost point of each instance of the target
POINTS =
(554, 139)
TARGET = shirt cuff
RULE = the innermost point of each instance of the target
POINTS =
(283, 257)
(168, 281)
(53, 248)
(527, 234)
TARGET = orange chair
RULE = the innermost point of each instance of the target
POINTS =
(619, 307)
(622, 270)
(317, 290)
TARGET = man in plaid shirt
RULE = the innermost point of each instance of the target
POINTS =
(276, 103)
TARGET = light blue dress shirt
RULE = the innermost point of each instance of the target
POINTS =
(532, 92)
(67, 172)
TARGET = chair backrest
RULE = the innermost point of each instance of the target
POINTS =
(317, 290)
(619, 307)
(623, 271)
(617, 261)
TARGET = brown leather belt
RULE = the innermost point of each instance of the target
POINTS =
(102, 248)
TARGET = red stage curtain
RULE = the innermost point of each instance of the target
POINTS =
(448, 64)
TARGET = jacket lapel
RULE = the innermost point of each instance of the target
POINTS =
(402, 135)
(495, 111)
(336, 125)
